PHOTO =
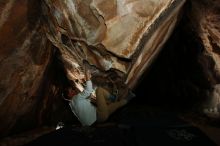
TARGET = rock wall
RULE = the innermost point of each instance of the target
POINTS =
(118, 39)
(205, 21)
(24, 56)
(115, 36)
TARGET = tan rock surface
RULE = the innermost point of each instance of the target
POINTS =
(118, 38)
(111, 35)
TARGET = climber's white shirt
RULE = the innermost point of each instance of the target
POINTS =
(81, 106)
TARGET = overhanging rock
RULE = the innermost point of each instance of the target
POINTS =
(121, 37)
(118, 38)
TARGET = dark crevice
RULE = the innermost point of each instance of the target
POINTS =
(215, 47)
(176, 79)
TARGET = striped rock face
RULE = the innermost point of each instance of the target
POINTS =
(117, 38)
(24, 55)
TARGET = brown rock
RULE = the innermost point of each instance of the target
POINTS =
(114, 35)
(118, 39)
(24, 56)
(205, 19)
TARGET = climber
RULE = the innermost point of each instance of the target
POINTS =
(82, 106)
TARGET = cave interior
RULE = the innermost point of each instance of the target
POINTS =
(168, 107)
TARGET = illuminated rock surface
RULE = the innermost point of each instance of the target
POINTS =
(118, 38)
(116, 35)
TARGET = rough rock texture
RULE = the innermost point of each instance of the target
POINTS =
(118, 39)
(205, 16)
(117, 36)
(24, 55)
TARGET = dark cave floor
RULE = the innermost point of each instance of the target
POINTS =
(135, 124)
(144, 121)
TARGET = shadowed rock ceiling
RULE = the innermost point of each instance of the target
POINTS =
(43, 43)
